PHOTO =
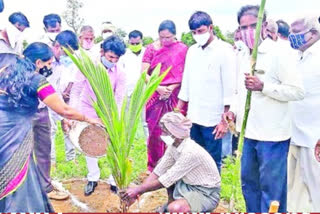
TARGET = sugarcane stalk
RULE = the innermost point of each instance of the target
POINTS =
(248, 103)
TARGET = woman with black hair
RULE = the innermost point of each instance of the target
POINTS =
(21, 87)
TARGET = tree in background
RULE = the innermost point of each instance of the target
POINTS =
(121, 33)
(220, 35)
(71, 15)
(187, 39)
(147, 40)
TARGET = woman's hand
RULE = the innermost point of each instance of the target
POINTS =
(94, 121)
(164, 92)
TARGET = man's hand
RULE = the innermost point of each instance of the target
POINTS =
(253, 83)
(66, 125)
(221, 129)
(229, 116)
(130, 195)
(317, 151)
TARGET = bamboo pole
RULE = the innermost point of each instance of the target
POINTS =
(247, 108)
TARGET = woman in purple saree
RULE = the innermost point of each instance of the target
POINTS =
(21, 87)
(170, 53)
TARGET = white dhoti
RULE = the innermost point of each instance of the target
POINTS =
(303, 180)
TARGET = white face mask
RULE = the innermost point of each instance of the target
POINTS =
(52, 36)
(106, 35)
(14, 35)
(202, 39)
(168, 140)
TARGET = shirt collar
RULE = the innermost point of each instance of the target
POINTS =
(266, 46)
(311, 50)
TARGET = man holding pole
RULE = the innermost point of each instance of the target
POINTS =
(266, 144)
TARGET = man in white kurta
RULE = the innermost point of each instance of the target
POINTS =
(303, 169)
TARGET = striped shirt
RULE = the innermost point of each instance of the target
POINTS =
(189, 162)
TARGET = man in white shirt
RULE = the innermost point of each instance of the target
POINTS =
(132, 65)
(207, 85)
(267, 136)
(11, 38)
(303, 168)
(52, 27)
(86, 40)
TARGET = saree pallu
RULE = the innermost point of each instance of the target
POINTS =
(174, 56)
(20, 189)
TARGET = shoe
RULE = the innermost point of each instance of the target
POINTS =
(114, 189)
(89, 188)
(55, 194)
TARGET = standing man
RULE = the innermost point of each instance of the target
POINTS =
(132, 63)
(52, 27)
(303, 168)
(11, 38)
(86, 40)
(113, 48)
(267, 137)
(207, 85)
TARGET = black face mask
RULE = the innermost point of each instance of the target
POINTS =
(45, 71)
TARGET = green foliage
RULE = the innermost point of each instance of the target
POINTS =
(220, 35)
(231, 185)
(71, 15)
(147, 40)
(98, 39)
(121, 125)
(187, 39)
(121, 33)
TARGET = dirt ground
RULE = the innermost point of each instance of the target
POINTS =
(103, 200)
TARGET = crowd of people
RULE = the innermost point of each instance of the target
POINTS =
(185, 121)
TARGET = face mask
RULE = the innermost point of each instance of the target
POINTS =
(297, 40)
(135, 48)
(202, 39)
(45, 71)
(168, 140)
(106, 35)
(248, 36)
(14, 35)
(52, 36)
(87, 45)
(107, 63)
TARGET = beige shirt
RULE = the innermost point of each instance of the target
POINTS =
(269, 118)
(189, 162)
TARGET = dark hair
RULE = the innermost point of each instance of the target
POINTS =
(198, 19)
(68, 39)
(16, 81)
(135, 34)
(114, 44)
(283, 28)
(1, 6)
(167, 25)
(51, 20)
(20, 18)
(250, 10)
(38, 50)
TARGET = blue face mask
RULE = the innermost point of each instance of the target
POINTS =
(107, 63)
(297, 40)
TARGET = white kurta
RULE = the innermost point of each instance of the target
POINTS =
(303, 169)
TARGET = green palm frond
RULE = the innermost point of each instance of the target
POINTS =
(122, 124)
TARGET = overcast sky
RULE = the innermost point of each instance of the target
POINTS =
(146, 15)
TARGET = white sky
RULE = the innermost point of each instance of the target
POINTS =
(146, 15)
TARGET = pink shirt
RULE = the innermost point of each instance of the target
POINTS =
(82, 93)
